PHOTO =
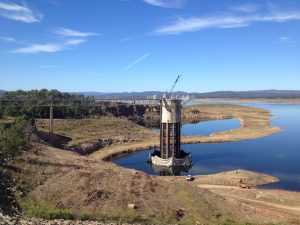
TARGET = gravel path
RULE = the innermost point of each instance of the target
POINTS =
(7, 220)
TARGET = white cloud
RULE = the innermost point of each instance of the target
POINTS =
(246, 8)
(8, 39)
(17, 12)
(285, 39)
(49, 47)
(136, 62)
(126, 39)
(75, 41)
(182, 25)
(37, 48)
(166, 3)
(72, 33)
(70, 38)
(11, 40)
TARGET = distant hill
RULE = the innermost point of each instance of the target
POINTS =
(251, 94)
(128, 95)
(217, 94)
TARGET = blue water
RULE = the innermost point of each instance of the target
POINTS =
(205, 128)
(208, 127)
(277, 154)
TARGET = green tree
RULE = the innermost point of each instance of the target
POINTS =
(14, 137)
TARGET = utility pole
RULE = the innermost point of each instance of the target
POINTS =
(51, 122)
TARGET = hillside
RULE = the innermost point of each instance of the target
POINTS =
(216, 94)
(269, 94)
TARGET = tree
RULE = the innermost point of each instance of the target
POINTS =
(13, 138)
(36, 103)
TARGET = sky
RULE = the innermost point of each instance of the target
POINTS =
(142, 45)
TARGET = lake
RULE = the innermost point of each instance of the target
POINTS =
(277, 154)
(206, 128)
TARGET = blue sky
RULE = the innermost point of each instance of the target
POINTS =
(140, 45)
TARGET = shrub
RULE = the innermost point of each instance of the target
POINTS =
(14, 137)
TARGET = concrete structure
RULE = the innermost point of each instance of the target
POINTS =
(170, 153)
(170, 124)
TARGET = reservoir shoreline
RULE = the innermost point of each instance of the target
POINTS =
(91, 184)
(254, 124)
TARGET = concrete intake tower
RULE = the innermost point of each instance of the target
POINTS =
(170, 153)
(170, 125)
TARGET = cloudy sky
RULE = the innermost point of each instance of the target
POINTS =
(140, 45)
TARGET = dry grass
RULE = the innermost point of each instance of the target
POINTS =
(87, 185)
(67, 185)
(73, 185)
(83, 130)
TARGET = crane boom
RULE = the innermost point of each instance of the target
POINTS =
(174, 84)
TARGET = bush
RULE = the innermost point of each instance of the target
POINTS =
(14, 137)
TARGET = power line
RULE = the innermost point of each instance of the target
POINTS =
(68, 105)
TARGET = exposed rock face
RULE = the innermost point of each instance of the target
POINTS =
(88, 147)
(56, 140)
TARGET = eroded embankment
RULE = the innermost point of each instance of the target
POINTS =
(254, 124)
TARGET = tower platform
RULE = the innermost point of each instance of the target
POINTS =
(184, 160)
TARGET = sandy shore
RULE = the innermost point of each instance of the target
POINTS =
(268, 100)
(254, 124)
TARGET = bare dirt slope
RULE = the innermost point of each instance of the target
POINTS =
(58, 183)
(277, 204)
(257, 205)
(103, 191)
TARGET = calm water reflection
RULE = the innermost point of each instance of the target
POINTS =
(277, 154)
(208, 127)
(205, 128)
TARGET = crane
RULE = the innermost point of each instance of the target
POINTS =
(168, 94)
(171, 91)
